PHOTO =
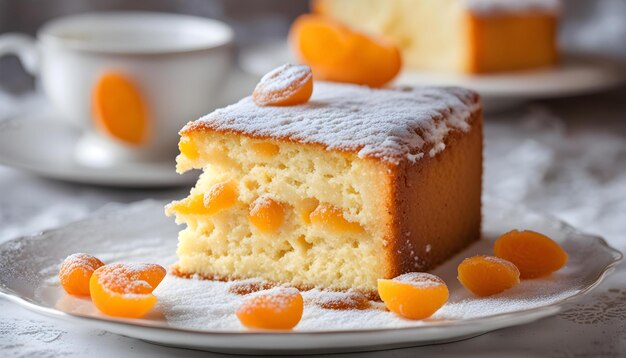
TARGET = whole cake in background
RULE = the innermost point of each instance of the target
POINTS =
(466, 36)
(355, 185)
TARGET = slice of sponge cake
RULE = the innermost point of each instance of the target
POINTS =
(355, 185)
(469, 36)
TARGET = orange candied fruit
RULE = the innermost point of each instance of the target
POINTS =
(331, 217)
(75, 272)
(265, 149)
(119, 108)
(219, 197)
(286, 85)
(267, 214)
(125, 290)
(487, 275)
(188, 148)
(414, 295)
(278, 308)
(337, 53)
(534, 254)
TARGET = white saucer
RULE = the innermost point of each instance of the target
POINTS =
(575, 75)
(45, 147)
(188, 315)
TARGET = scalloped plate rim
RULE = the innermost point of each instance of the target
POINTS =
(489, 323)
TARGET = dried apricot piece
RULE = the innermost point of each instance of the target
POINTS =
(286, 85)
(192, 205)
(75, 272)
(267, 214)
(119, 108)
(188, 148)
(265, 149)
(487, 275)
(534, 254)
(331, 217)
(337, 53)
(278, 308)
(220, 196)
(125, 290)
(414, 295)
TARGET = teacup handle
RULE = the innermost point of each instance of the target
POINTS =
(24, 47)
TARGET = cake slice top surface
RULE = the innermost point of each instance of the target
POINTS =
(391, 125)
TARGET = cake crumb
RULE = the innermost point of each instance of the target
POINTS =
(245, 287)
(332, 300)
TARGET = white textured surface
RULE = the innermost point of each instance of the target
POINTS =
(391, 125)
(566, 157)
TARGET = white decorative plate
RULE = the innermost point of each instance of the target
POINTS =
(575, 75)
(187, 314)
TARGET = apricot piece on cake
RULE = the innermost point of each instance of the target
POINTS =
(332, 218)
(267, 214)
(286, 85)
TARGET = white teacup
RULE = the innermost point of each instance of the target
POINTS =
(178, 64)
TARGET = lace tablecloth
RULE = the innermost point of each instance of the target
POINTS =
(566, 158)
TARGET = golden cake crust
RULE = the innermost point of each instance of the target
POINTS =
(425, 235)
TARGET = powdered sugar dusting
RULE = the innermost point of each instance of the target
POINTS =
(262, 202)
(389, 124)
(244, 287)
(277, 299)
(126, 279)
(208, 305)
(512, 6)
(214, 191)
(284, 77)
(280, 83)
(81, 261)
(350, 300)
(420, 279)
(500, 261)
